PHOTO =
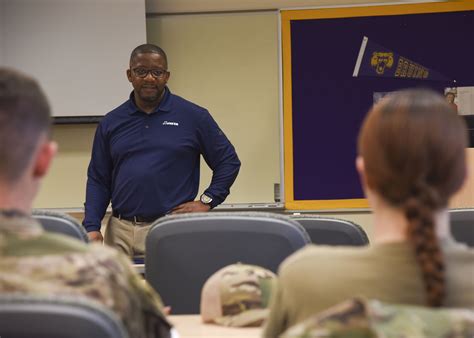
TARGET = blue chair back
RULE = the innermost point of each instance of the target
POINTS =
(182, 251)
(332, 231)
(64, 224)
(24, 316)
(462, 225)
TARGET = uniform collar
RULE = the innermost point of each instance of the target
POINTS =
(17, 223)
(164, 106)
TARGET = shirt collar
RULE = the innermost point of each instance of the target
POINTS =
(17, 223)
(165, 104)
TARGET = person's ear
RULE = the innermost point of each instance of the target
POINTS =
(129, 75)
(44, 157)
(360, 166)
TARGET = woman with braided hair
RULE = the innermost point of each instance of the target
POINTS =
(411, 161)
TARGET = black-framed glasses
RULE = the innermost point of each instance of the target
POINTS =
(143, 72)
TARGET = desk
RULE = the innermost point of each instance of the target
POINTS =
(191, 326)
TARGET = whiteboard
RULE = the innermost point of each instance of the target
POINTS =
(77, 49)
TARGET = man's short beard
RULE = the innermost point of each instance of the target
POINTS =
(149, 98)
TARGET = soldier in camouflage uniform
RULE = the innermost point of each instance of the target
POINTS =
(237, 295)
(35, 262)
(360, 318)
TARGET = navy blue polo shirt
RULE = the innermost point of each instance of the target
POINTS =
(147, 164)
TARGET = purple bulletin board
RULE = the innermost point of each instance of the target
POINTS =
(324, 105)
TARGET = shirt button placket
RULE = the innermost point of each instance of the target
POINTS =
(146, 126)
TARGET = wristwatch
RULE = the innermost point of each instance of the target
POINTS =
(205, 199)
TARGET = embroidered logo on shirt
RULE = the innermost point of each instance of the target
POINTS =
(169, 123)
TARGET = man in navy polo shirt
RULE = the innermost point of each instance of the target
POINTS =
(146, 154)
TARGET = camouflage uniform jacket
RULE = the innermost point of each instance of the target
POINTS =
(318, 277)
(39, 263)
(360, 318)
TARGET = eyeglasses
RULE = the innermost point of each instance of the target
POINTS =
(143, 72)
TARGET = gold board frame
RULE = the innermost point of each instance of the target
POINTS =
(286, 16)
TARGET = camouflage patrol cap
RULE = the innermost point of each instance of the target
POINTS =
(363, 318)
(237, 295)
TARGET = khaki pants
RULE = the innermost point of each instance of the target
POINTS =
(126, 236)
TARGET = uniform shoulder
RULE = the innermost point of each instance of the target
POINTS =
(46, 244)
(105, 252)
(64, 263)
(113, 260)
(55, 244)
(65, 241)
(316, 253)
(370, 318)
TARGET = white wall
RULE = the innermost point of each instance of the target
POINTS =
(2, 28)
(77, 49)
(228, 63)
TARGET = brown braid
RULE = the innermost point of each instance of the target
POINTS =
(419, 210)
(413, 146)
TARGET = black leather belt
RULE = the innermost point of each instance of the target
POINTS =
(135, 219)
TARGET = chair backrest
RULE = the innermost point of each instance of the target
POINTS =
(24, 316)
(332, 231)
(182, 251)
(462, 225)
(54, 221)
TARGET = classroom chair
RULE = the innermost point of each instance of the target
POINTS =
(26, 316)
(332, 231)
(182, 251)
(54, 221)
(462, 225)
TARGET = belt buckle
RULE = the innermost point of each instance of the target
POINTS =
(136, 222)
